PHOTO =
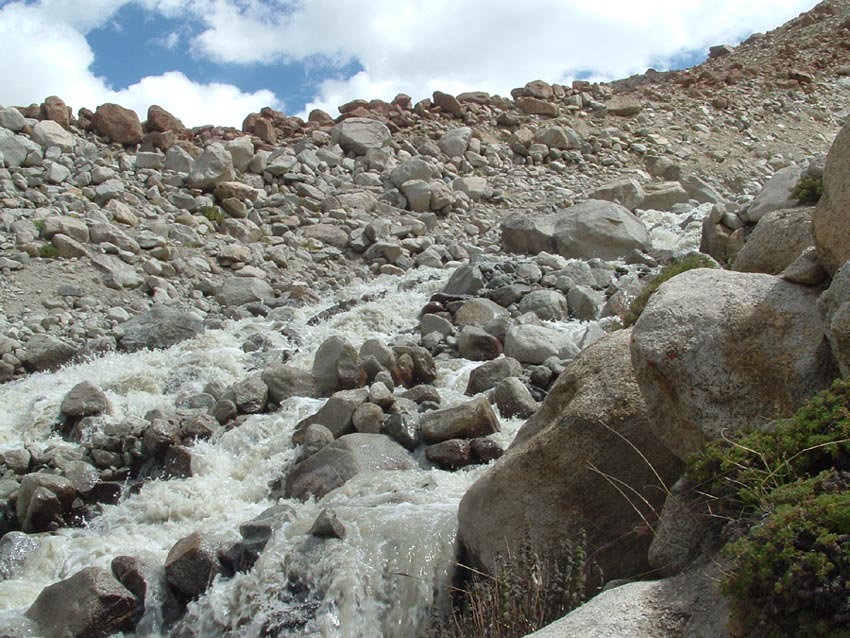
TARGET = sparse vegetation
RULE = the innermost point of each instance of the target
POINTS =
(39, 226)
(676, 267)
(789, 491)
(48, 251)
(526, 592)
(213, 213)
(808, 190)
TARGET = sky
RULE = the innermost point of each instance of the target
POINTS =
(215, 61)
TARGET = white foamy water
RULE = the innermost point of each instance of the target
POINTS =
(381, 580)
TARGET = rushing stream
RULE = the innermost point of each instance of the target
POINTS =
(381, 580)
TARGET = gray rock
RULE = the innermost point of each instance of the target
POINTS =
(491, 373)
(18, 150)
(450, 455)
(585, 302)
(159, 327)
(478, 312)
(418, 195)
(191, 565)
(707, 336)
(777, 240)
(831, 218)
(89, 604)
(477, 345)
(834, 307)
(592, 229)
(592, 418)
(241, 152)
(465, 280)
(236, 291)
(415, 168)
(360, 134)
(775, 195)
(337, 366)
(42, 498)
(665, 196)
(249, 395)
(560, 137)
(48, 133)
(117, 274)
(455, 142)
(15, 548)
(626, 192)
(548, 305)
(328, 525)
(805, 270)
(46, 352)
(12, 119)
(699, 190)
(468, 420)
(535, 344)
(336, 414)
(403, 427)
(212, 166)
(343, 459)
(368, 418)
(84, 399)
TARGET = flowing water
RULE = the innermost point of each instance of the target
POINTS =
(381, 580)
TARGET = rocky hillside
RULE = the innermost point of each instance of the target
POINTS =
(557, 203)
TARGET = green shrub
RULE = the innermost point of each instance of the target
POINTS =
(676, 267)
(788, 489)
(48, 251)
(212, 213)
(526, 593)
(39, 226)
(808, 190)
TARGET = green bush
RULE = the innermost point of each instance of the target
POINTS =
(808, 190)
(39, 226)
(526, 593)
(788, 491)
(676, 267)
(48, 251)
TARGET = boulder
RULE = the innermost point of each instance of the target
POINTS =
(415, 168)
(191, 565)
(664, 196)
(455, 142)
(534, 344)
(475, 344)
(12, 119)
(450, 455)
(359, 134)
(159, 327)
(775, 195)
(548, 305)
(117, 124)
(831, 218)
(563, 469)
(623, 105)
(777, 240)
(337, 366)
(48, 133)
(161, 120)
(626, 192)
(54, 108)
(716, 350)
(46, 352)
(834, 306)
(89, 604)
(594, 228)
(42, 499)
(560, 137)
(478, 312)
(211, 167)
(491, 373)
(343, 459)
(688, 606)
(284, 381)
(535, 106)
(468, 420)
(84, 399)
(236, 291)
(336, 414)
(513, 399)
(465, 280)
(448, 104)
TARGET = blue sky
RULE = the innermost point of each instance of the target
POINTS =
(215, 61)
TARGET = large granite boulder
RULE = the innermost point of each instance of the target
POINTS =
(89, 604)
(565, 468)
(831, 219)
(594, 228)
(159, 327)
(716, 350)
(343, 459)
(777, 194)
(776, 241)
(359, 134)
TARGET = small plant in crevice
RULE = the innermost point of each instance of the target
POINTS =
(787, 492)
(808, 190)
(212, 213)
(48, 251)
(675, 267)
(526, 592)
(39, 226)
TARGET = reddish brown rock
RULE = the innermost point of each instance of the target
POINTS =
(160, 120)
(117, 124)
(448, 103)
(53, 108)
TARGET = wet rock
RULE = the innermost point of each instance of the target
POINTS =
(337, 366)
(477, 345)
(15, 547)
(368, 418)
(485, 450)
(777, 240)
(468, 420)
(316, 436)
(284, 381)
(491, 373)
(534, 344)
(146, 581)
(336, 414)
(249, 395)
(191, 566)
(328, 525)
(257, 533)
(42, 501)
(465, 280)
(89, 604)
(450, 455)
(46, 352)
(84, 399)
(548, 305)
(404, 429)
(561, 456)
(513, 399)
(708, 335)
(159, 327)
(177, 462)
(478, 312)
(346, 457)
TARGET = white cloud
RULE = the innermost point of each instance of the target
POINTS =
(44, 52)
